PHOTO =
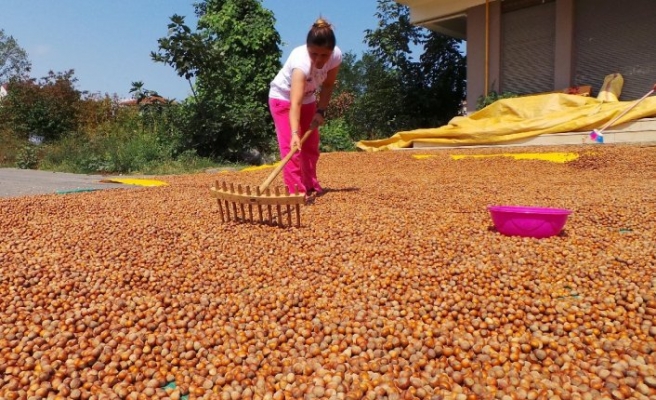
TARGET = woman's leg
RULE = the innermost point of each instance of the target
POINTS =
(292, 171)
(310, 150)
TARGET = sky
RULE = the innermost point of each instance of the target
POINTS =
(108, 42)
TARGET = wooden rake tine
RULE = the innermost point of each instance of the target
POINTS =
(241, 205)
(234, 204)
(223, 219)
(258, 193)
(278, 208)
(267, 193)
(227, 203)
(289, 209)
(250, 206)
(298, 208)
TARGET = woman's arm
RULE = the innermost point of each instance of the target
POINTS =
(327, 88)
(325, 94)
(295, 98)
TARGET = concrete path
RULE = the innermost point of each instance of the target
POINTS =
(16, 182)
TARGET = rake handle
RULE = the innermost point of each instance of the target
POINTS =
(612, 121)
(284, 162)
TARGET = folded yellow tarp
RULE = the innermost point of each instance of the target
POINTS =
(519, 118)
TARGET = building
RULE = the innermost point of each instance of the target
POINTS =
(535, 46)
(148, 100)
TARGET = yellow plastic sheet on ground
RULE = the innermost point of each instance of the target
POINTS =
(519, 118)
(258, 167)
(136, 181)
(558, 157)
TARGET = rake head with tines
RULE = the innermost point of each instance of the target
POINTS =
(247, 204)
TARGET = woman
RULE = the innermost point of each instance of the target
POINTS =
(310, 68)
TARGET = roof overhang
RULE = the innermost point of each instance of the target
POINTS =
(445, 16)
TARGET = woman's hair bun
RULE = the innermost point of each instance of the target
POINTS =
(321, 23)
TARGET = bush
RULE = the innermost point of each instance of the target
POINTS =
(72, 153)
(27, 157)
(47, 108)
(335, 136)
(484, 101)
(115, 153)
(117, 139)
(187, 161)
(9, 148)
(93, 134)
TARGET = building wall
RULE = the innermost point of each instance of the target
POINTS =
(528, 43)
(593, 38)
(564, 67)
(476, 25)
(616, 37)
(476, 52)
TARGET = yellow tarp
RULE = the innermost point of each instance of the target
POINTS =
(258, 167)
(519, 118)
(135, 181)
(560, 158)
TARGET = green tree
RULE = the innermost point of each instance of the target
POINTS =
(13, 59)
(159, 116)
(233, 55)
(152, 107)
(349, 79)
(403, 92)
(376, 109)
(47, 107)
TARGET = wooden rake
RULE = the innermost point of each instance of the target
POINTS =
(260, 203)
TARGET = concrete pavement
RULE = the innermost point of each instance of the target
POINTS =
(16, 182)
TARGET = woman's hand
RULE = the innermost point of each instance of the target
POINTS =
(296, 142)
(317, 120)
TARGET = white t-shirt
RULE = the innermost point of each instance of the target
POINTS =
(300, 59)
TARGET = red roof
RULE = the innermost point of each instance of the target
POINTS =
(144, 101)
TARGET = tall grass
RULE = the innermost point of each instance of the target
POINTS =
(129, 142)
(9, 148)
(119, 152)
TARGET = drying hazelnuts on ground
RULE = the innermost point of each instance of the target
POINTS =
(396, 286)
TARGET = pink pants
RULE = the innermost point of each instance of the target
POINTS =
(301, 170)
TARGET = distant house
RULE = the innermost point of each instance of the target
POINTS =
(146, 101)
(3, 90)
(532, 46)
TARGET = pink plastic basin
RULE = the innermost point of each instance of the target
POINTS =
(536, 222)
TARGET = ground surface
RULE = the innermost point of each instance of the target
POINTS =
(396, 286)
(25, 182)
